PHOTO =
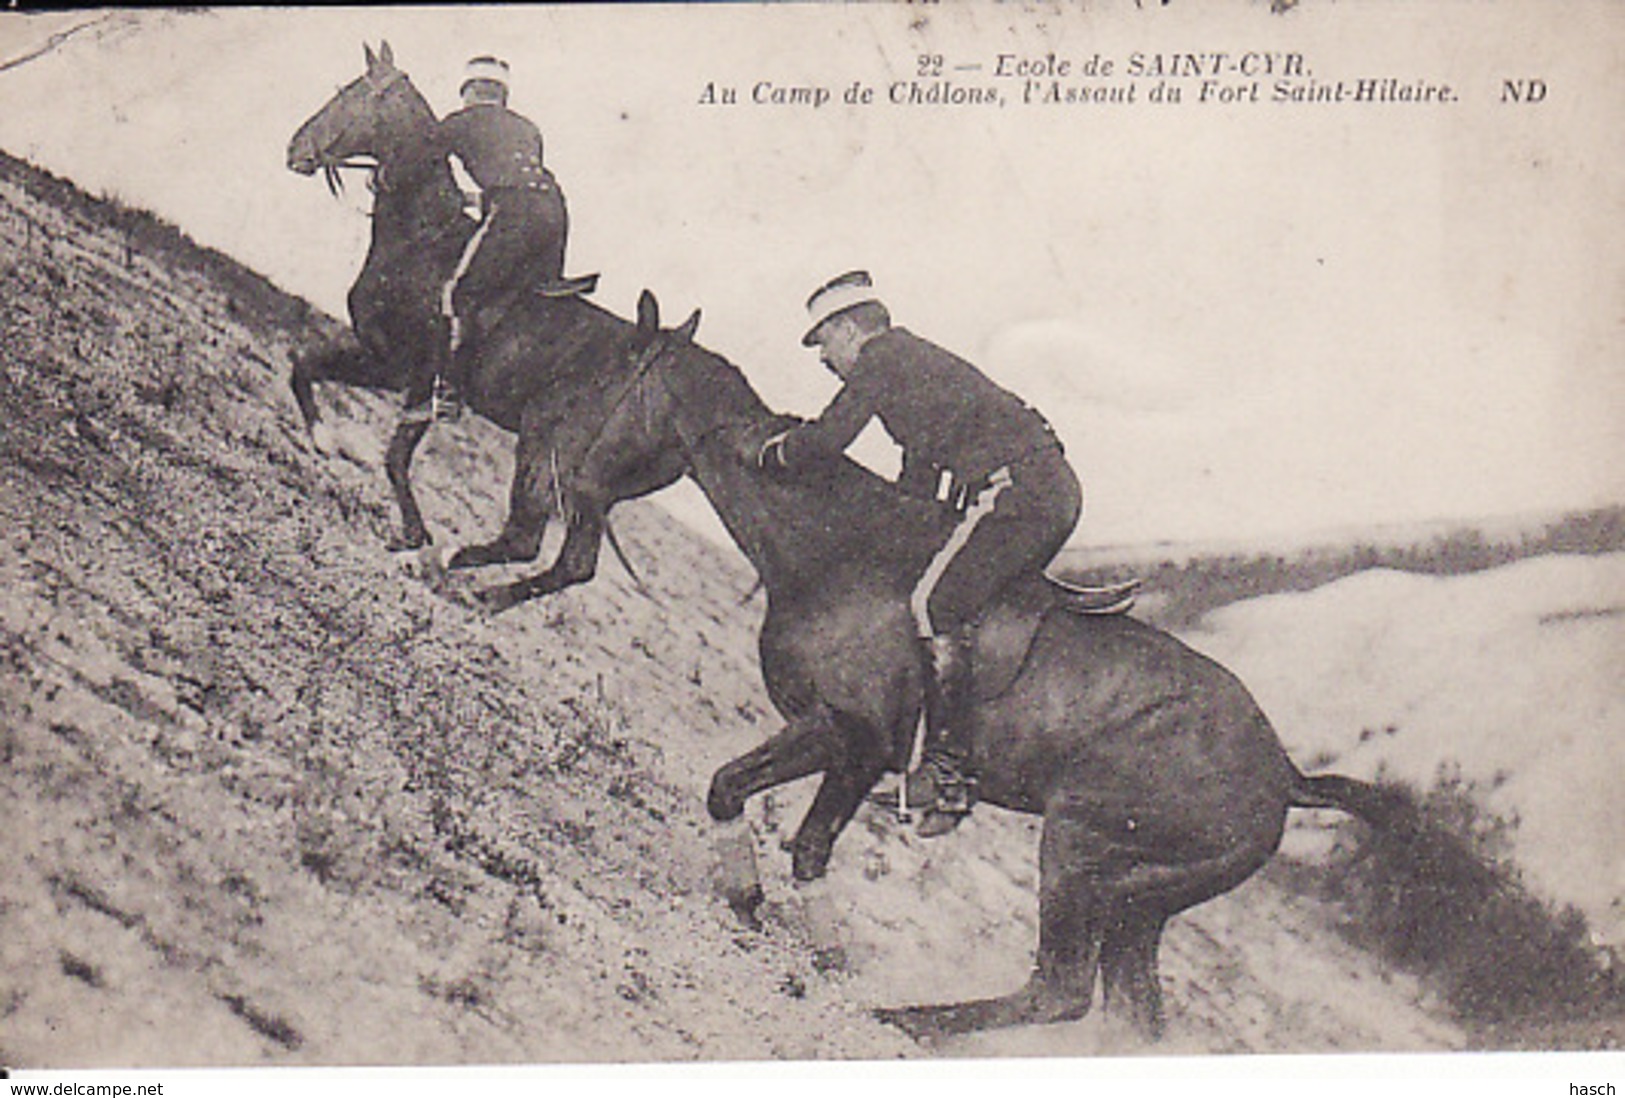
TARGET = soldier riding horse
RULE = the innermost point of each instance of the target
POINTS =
(1160, 782)
(533, 357)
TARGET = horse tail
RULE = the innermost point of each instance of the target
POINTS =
(1376, 806)
(1416, 874)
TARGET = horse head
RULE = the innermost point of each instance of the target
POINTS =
(367, 118)
(709, 398)
(631, 422)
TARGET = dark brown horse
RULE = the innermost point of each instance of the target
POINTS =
(538, 359)
(1160, 782)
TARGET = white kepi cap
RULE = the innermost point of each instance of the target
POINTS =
(486, 67)
(839, 294)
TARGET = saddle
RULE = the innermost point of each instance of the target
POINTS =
(998, 641)
(489, 314)
(569, 287)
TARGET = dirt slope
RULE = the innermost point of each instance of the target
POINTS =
(268, 798)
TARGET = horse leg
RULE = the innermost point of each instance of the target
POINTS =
(587, 507)
(348, 360)
(588, 503)
(1061, 987)
(805, 746)
(839, 795)
(530, 505)
(1128, 973)
(585, 496)
(1146, 893)
(398, 465)
(1131, 987)
(303, 382)
(577, 562)
(344, 360)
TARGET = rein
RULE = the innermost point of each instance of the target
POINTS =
(646, 363)
(335, 182)
(603, 424)
(691, 444)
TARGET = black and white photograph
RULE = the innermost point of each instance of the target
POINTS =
(957, 537)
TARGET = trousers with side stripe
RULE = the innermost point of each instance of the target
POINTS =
(521, 237)
(1015, 525)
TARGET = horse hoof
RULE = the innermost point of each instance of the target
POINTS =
(403, 543)
(1024, 1007)
(498, 600)
(929, 1023)
(432, 563)
(809, 865)
(745, 904)
(323, 438)
(908, 1020)
(723, 810)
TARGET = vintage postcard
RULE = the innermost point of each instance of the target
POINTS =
(501, 497)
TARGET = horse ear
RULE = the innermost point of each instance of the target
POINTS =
(648, 313)
(689, 327)
(385, 54)
(372, 58)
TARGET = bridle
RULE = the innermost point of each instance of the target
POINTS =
(645, 365)
(690, 443)
(377, 88)
(646, 361)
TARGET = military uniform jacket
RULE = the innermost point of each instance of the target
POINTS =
(501, 150)
(943, 412)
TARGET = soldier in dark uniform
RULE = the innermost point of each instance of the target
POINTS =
(968, 441)
(523, 223)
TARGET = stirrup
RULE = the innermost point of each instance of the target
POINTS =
(941, 787)
(952, 792)
(955, 796)
(445, 402)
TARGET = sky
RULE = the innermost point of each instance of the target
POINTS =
(1245, 319)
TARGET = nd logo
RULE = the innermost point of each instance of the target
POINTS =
(1523, 91)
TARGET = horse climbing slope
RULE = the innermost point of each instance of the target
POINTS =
(271, 798)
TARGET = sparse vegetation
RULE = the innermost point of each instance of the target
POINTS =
(1438, 896)
(271, 1026)
(251, 297)
(1186, 589)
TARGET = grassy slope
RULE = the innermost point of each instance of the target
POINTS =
(280, 801)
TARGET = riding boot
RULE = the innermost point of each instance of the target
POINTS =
(941, 780)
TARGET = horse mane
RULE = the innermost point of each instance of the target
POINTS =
(422, 117)
(871, 517)
(833, 510)
(416, 165)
